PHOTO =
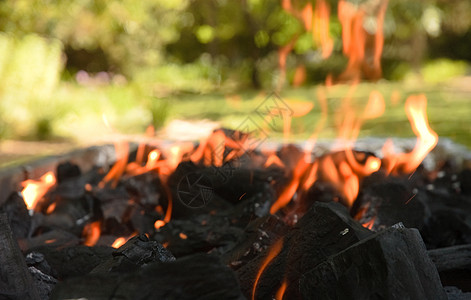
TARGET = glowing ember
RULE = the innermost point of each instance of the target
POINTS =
(91, 233)
(34, 190)
(183, 236)
(159, 224)
(275, 249)
(118, 242)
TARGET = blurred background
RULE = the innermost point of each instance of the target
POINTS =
(65, 66)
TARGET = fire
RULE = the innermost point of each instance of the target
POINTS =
(416, 110)
(34, 190)
(273, 159)
(320, 32)
(274, 251)
(121, 241)
(122, 151)
(118, 242)
(91, 232)
(357, 41)
(281, 291)
(289, 191)
(159, 224)
(152, 159)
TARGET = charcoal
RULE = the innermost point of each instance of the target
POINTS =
(38, 261)
(465, 181)
(454, 293)
(18, 216)
(73, 213)
(44, 283)
(53, 238)
(257, 237)
(450, 220)
(66, 171)
(202, 233)
(145, 189)
(15, 279)
(324, 230)
(390, 200)
(136, 252)
(392, 264)
(74, 261)
(194, 277)
(192, 191)
(454, 265)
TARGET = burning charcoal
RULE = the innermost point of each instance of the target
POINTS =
(53, 238)
(392, 264)
(192, 190)
(324, 230)
(453, 265)
(74, 261)
(145, 189)
(138, 251)
(257, 237)
(73, 213)
(194, 277)
(202, 233)
(385, 201)
(15, 279)
(20, 220)
(67, 170)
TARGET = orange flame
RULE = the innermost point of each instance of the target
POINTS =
(320, 33)
(159, 224)
(416, 110)
(118, 242)
(281, 291)
(91, 232)
(273, 159)
(275, 249)
(122, 151)
(34, 190)
(291, 188)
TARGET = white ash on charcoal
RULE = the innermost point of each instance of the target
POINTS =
(198, 276)
(40, 270)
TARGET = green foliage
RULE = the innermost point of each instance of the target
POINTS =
(29, 74)
(443, 69)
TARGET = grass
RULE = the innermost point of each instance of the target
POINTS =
(448, 110)
(77, 110)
